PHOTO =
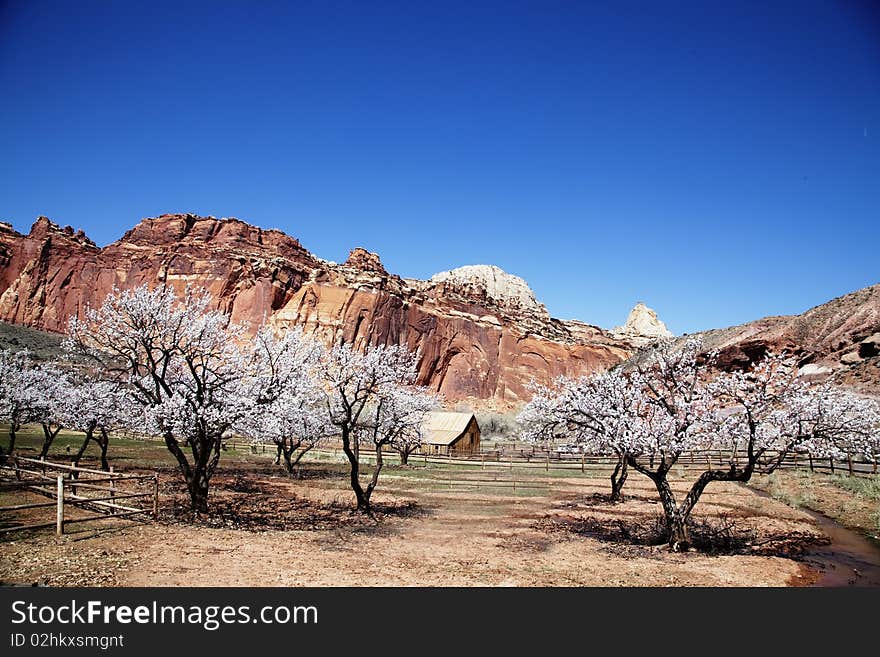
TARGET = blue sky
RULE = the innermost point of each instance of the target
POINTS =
(718, 163)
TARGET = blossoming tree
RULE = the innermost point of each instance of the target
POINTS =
(21, 383)
(96, 408)
(32, 392)
(295, 421)
(591, 412)
(395, 420)
(674, 406)
(191, 371)
(370, 400)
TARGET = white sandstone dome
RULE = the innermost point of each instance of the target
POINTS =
(491, 283)
(642, 326)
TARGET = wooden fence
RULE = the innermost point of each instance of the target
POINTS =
(562, 461)
(95, 494)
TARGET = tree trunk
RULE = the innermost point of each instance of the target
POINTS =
(363, 502)
(404, 457)
(618, 479)
(287, 452)
(676, 517)
(300, 451)
(104, 442)
(280, 448)
(677, 534)
(368, 493)
(82, 448)
(48, 438)
(196, 475)
(11, 440)
(198, 492)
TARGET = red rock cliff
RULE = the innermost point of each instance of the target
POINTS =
(480, 331)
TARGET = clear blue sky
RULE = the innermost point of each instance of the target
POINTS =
(718, 163)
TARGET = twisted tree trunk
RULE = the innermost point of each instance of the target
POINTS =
(618, 479)
(48, 438)
(677, 534)
(292, 451)
(206, 454)
(676, 516)
(90, 429)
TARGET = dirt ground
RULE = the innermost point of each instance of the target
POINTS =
(435, 526)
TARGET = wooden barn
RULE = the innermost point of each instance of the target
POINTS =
(446, 432)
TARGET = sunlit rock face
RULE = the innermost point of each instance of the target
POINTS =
(642, 327)
(481, 332)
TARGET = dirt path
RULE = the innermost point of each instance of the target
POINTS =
(460, 538)
(271, 531)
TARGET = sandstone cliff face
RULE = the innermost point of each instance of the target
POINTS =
(481, 333)
(476, 341)
(54, 273)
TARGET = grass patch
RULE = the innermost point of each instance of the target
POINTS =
(796, 489)
(854, 502)
(866, 489)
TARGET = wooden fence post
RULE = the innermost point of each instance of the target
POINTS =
(112, 484)
(73, 476)
(59, 506)
(583, 457)
(548, 462)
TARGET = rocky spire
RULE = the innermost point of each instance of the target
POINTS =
(642, 326)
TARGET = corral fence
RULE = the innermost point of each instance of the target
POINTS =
(539, 474)
(701, 460)
(550, 460)
(77, 494)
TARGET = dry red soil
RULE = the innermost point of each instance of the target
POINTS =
(433, 528)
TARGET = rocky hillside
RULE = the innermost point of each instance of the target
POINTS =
(839, 338)
(481, 332)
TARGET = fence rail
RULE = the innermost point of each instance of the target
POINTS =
(561, 461)
(67, 486)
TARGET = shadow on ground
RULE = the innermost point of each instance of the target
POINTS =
(249, 503)
(644, 533)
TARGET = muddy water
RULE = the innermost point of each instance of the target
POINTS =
(849, 559)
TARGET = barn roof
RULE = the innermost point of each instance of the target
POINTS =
(443, 427)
